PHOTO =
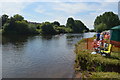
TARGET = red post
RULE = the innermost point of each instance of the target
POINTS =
(87, 43)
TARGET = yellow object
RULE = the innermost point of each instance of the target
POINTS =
(109, 49)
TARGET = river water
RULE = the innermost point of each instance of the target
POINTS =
(39, 56)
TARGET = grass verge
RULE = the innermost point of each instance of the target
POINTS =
(97, 65)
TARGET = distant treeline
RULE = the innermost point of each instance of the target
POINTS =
(17, 25)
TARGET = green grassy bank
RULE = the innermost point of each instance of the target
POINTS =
(95, 65)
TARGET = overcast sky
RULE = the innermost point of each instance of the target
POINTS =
(55, 10)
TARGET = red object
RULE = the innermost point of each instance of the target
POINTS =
(87, 43)
(96, 44)
(115, 43)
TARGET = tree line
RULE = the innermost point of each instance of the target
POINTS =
(18, 25)
(106, 21)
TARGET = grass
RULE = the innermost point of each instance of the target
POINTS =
(96, 62)
(100, 75)
(115, 55)
(116, 49)
(99, 66)
(105, 75)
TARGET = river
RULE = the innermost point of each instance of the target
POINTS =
(39, 56)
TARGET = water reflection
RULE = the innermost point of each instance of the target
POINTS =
(39, 56)
(47, 37)
(73, 38)
(70, 36)
(14, 39)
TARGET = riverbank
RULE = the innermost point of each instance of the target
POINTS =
(89, 65)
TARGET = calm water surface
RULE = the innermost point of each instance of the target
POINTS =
(39, 56)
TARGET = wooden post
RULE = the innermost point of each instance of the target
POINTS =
(87, 43)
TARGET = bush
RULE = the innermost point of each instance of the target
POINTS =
(93, 62)
(19, 27)
(47, 28)
(63, 30)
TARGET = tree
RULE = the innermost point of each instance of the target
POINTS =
(70, 23)
(56, 23)
(17, 25)
(47, 28)
(86, 29)
(20, 27)
(18, 17)
(101, 27)
(108, 18)
(4, 19)
(80, 27)
(76, 25)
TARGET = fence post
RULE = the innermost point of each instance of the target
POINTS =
(87, 43)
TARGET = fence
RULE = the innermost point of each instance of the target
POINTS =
(89, 45)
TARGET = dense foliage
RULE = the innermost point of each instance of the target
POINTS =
(106, 21)
(76, 25)
(17, 25)
(47, 28)
(4, 19)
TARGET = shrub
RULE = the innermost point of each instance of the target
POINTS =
(93, 62)
(19, 27)
(47, 28)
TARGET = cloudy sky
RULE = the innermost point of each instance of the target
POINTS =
(55, 10)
